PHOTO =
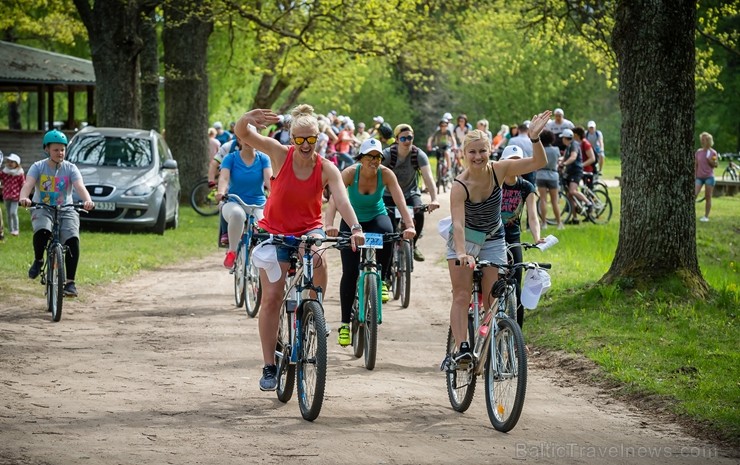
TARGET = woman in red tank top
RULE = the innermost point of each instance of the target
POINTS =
(293, 207)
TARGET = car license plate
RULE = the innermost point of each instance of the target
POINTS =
(105, 206)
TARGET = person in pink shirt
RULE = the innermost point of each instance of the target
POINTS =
(12, 178)
(705, 161)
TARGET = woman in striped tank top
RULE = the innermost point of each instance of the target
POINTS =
(475, 203)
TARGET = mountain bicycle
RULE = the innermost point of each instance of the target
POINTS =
(498, 350)
(203, 198)
(600, 213)
(53, 272)
(300, 353)
(402, 263)
(247, 288)
(367, 309)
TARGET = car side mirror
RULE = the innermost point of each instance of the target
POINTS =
(170, 164)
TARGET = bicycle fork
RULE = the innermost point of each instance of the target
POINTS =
(361, 296)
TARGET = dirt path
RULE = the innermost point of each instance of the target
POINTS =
(164, 369)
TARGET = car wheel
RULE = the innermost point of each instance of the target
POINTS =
(175, 222)
(159, 226)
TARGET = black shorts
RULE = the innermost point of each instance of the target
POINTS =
(573, 177)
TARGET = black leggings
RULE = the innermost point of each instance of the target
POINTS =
(414, 201)
(71, 258)
(516, 253)
(351, 262)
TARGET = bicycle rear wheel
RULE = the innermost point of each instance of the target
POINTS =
(370, 333)
(311, 372)
(602, 209)
(203, 199)
(55, 282)
(565, 210)
(460, 383)
(506, 376)
(286, 371)
(240, 275)
(404, 273)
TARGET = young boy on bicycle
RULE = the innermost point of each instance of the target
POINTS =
(53, 179)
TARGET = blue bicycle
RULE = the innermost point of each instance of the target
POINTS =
(301, 347)
(247, 288)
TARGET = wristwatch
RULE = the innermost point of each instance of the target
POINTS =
(534, 141)
(356, 227)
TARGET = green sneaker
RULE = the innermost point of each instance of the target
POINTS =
(345, 337)
(385, 295)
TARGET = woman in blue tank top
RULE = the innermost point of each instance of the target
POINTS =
(366, 181)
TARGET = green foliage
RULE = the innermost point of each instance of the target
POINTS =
(41, 21)
(655, 342)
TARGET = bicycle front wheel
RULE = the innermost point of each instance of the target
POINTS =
(240, 275)
(203, 199)
(55, 282)
(395, 271)
(357, 331)
(311, 370)
(253, 290)
(506, 376)
(371, 304)
(460, 383)
(286, 371)
(404, 273)
(601, 212)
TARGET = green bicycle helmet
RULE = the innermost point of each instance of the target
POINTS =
(386, 131)
(55, 137)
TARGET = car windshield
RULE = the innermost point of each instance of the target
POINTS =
(124, 152)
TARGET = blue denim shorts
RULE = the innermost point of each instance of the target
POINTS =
(708, 181)
(284, 251)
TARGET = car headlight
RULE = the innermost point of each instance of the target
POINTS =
(139, 190)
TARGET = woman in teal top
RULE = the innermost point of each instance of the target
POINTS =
(366, 181)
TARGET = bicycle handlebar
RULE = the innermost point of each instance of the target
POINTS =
(79, 206)
(294, 241)
(485, 263)
(241, 202)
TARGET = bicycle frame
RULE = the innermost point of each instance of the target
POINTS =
(368, 266)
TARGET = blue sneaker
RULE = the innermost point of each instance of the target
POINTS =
(269, 378)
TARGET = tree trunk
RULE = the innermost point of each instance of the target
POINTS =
(185, 41)
(150, 75)
(654, 43)
(113, 29)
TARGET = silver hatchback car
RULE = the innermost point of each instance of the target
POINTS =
(131, 177)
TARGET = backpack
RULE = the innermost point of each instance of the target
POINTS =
(414, 157)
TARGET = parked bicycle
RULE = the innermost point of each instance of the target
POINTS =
(301, 348)
(367, 309)
(732, 171)
(498, 352)
(402, 263)
(247, 288)
(600, 213)
(53, 272)
(203, 198)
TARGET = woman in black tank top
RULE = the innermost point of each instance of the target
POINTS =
(475, 203)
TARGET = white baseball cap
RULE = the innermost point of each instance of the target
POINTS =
(264, 255)
(535, 283)
(218, 125)
(379, 119)
(591, 124)
(447, 116)
(526, 122)
(511, 151)
(567, 133)
(14, 157)
(558, 111)
(370, 145)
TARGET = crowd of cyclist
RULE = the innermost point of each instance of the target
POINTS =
(361, 173)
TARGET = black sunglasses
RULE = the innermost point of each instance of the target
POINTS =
(406, 138)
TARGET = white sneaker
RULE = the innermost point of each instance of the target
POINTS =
(704, 219)
(543, 225)
(561, 226)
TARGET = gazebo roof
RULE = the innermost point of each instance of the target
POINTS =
(25, 67)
